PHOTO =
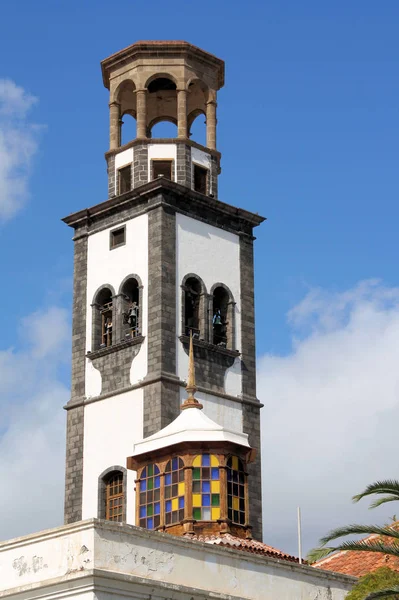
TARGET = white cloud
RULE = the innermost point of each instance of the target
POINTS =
(18, 145)
(331, 409)
(32, 429)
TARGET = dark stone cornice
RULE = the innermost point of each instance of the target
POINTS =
(178, 197)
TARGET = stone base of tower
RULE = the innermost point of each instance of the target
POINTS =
(108, 561)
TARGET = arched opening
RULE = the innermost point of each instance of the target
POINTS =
(196, 122)
(128, 128)
(131, 322)
(164, 128)
(192, 298)
(161, 107)
(219, 319)
(102, 319)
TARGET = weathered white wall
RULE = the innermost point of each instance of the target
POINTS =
(111, 427)
(221, 410)
(214, 255)
(165, 151)
(122, 561)
(105, 266)
(122, 159)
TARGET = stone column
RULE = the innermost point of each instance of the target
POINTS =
(211, 121)
(114, 125)
(182, 113)
(141, 109)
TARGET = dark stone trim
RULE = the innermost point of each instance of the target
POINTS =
(102, 483)
(114, 348)
(211, 347)
(75, 417)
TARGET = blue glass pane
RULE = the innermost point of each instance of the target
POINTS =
(181, 502)
(156, 470)
(175, 464)
(215, 473)
(228, 475)
(150, 523)
(168, 505)
(157, 508)
(206, 499)
(143, 485)
(206, 460)
(168, 479)
(144, 473)
(143, 512)
(206, 486)
(157, 482)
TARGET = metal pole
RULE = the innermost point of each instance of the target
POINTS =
(299, 536)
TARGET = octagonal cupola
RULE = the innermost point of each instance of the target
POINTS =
(192, 475)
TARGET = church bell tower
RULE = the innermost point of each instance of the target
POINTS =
(158, 263)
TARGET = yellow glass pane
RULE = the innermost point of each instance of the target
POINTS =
(175, 504)
(214, 461)
(215, 514)
(215, 487)
(234, 462)
(196, 499)
(236, 503)
(181, 489)
(197, 461)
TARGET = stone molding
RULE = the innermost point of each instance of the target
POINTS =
(115, 347)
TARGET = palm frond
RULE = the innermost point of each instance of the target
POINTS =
(388, 486)
(359, 530)
(389, 593)
(361, 546)
(318, 553)
(383, 500)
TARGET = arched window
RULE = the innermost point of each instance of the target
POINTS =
(192, 297)
(236, 509)
(174, 491)
(220, 317)
(102, 324)
(196, 122)
(206, 488)
(165, 128)
(131, 322)
(112, 494)
(150, 497)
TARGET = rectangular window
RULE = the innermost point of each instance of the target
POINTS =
(117, 238)
(125, 179)
(200, 179)
(162, 167)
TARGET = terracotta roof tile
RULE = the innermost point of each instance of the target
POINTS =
(357, 564)
(230, 541)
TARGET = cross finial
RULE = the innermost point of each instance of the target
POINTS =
(191, 388)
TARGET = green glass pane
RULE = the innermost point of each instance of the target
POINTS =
(150, 510)
(197, 473)
(197, 514)
(150, 470)
(150, 484)
(215, 499)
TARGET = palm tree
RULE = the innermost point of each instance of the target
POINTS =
(387, 541)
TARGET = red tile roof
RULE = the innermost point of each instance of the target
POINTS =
(231, 541)
(357, 564)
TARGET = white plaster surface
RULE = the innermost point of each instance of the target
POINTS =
(214, 255)
(201, 158)
(158, 151)
(225, 412)
(117, 561)
(107, 266)
(123, 158)
(111, 428)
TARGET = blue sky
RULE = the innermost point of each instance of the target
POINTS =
(308, 127)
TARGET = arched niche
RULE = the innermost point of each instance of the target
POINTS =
(131, 298)
(194, 309)
(103, 318)
(222, 323)
(161, 105)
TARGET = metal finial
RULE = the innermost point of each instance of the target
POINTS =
(191, 388)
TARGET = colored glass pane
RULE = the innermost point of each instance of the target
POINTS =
(215, 514)
(114, 497)
(205, 477)
(149, 505)
(236, 509)
(174, 491)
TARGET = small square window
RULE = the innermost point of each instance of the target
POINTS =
(200, 179)
(125, 179)
(117, 238)
(162, 167)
